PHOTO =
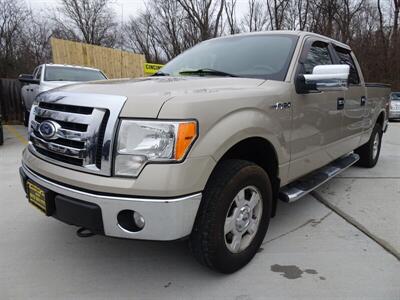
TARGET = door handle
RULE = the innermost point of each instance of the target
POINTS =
(340, 103)
(363, 100)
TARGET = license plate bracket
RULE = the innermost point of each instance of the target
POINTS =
(40, 197)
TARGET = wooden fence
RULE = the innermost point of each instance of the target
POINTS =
(114, 63)
(11, 107)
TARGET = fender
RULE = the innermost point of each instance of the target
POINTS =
(238, 126)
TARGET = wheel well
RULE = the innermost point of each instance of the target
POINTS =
(381, 119)
(258, 151)
(261, 152)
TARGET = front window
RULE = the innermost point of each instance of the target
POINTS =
(254, 56)
(345, 58)
(39, 73)
(317, 55)
(54, 73)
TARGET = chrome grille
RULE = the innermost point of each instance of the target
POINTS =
(84, 128)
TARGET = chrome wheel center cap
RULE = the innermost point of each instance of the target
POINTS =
(243, 218)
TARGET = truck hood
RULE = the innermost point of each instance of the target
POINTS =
(49, 85)
(145, 96)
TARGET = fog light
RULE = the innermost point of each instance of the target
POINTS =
(130, 220)
(139, 220)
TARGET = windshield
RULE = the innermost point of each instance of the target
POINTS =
(53, 73)
(395, 96)
(254, 56)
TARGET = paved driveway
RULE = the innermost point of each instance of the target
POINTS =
(347, 251)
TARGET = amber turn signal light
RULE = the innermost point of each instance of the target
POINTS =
(187, 133)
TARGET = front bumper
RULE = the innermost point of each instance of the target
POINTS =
(165, 219)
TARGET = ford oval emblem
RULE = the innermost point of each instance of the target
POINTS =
(48, 129)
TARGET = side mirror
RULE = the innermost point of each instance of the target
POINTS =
(324, 78)
(28, 78)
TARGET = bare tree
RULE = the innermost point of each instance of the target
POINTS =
(396, 4)
(256, 17)
(168, 27)
(90, 21)
(303, 11)
(139, 33)
(277, 10)
(37, 38)
(12, 18)
(230, 11)
(206, 15)
(347, 10)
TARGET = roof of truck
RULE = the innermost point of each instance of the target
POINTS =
(289, 32)
(71, 66)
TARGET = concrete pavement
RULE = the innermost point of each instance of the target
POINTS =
(310, 252)
(370, 198)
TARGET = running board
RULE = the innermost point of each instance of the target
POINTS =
(301, 187)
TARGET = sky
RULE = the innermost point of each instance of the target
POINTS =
(129, 7)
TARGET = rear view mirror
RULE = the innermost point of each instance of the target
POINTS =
(324, 78)
(28, 78)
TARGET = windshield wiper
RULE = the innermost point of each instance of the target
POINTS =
(206, 71)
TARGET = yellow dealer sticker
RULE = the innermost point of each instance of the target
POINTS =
(152, 68)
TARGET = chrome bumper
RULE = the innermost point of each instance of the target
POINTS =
(165, 219)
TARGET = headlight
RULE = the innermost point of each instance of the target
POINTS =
(141, 142)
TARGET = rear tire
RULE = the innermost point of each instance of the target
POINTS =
(369, 153)
(236, 208)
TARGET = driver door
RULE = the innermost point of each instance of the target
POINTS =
(35, 87)
(26, 92)
(317, 119)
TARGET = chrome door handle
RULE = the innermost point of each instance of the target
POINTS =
(363, 100)
(340, 103)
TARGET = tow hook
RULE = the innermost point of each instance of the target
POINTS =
(84, 232)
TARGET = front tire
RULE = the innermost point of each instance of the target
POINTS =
(369, 153)
(233, 217)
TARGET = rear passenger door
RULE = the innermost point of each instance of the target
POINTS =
(354, 102)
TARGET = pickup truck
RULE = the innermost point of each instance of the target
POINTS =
(50, 76)
(204, 149)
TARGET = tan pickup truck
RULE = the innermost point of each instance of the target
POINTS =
(205, 148)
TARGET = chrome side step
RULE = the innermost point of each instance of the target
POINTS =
(301, 187)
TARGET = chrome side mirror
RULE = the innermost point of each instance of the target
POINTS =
(324, 78)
